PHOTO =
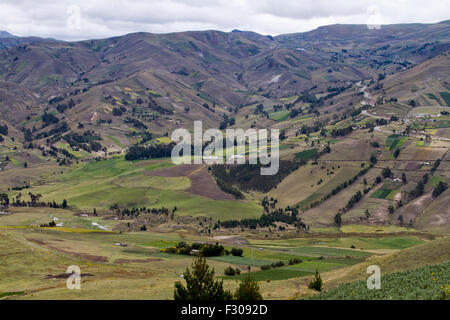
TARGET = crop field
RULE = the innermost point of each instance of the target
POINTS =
(279, 115)
(306, 155)
(385, 241)
(395, 141)
(327, 187)
(431, 282)
(106, 183)
(381, 193)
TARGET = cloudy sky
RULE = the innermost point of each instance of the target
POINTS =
(85, 19)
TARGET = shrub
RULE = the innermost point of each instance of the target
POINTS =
(294, 261)
(441, 187)
(229, 271)
(171, 250)
(386, 172)
(184, 250)
(237, 252)
(248, 290)
(211, 250)
(197, 246)
(316, 282)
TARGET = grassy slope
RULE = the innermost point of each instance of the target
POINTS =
(105, 183)
(419, 284)
(432, 252)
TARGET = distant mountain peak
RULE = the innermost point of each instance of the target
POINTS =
(6, 34)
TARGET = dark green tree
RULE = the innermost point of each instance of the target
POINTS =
(200, 284)
(441, 187)
(248, 290)
(338, 219)
(404, 178)
(316, 282)
(386, 173)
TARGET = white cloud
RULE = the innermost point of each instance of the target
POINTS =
(105, 18)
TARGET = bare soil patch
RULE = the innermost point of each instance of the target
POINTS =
(66, 275)
(123, 261)
(232, 239)
(40, 242)
(182, 170)
(202, 183)
(411, 166)
(81, 255)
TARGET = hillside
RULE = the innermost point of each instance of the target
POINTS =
(363, 114)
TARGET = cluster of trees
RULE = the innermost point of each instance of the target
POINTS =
(48, 119)
(4, 199)
(63, 106)
(310, 129)
(85, 141)
(295, 112)
(136, 123)
(137, 152)
(227, 121)
(201, 285)
(381, 122)
(34, 201)
(135, 212)
(211, 250)
(259, 109)
(117, 112)
(204, 249)
(58, 130)
(314, 102)
(278, 264)
(356, 112)
(289, 215)
(247, 176)
(268, 204)
(420, 187)
(342, 131)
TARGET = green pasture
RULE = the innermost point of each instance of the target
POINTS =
(102, 184)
